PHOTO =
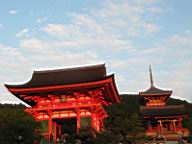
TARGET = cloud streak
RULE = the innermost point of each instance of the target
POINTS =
(13, 12)
(22, 32)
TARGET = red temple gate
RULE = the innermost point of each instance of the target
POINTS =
(68, 93)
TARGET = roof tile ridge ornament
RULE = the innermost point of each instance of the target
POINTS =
(151, 76)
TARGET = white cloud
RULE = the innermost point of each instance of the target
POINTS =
(31, 12)
(129, 63)
(179, 80)
(125, 15)
(14, 67)
(75, 36)
(7, 97)
(60, 30)
(155, 10)
(106, 28)
(151, 28)
(22, 32)
(51, 54)
(1, 26)
(37, 45)
(181, 40)
(13, 63)
(42, 19)
(147, 1)
(13, 12)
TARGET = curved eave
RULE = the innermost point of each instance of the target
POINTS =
(63, 76)
(109, 81)
(161, 117)
(115, 90)
(153, 91)
(163, 111)
(168, 93)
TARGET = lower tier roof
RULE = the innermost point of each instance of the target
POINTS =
(162, 111)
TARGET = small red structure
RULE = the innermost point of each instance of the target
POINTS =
(159, 118)
(68, 93)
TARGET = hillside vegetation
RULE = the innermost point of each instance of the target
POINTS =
(123, 124)
(16, 126)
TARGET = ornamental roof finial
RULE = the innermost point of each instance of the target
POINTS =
(151, 76)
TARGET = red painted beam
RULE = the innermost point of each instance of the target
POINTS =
(107, 83)
(60, 87)
(64, 107)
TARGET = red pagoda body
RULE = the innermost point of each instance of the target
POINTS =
(158, 117)
(68, 93)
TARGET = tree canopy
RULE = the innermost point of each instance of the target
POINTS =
(16, 125)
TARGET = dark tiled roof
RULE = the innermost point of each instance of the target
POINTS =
(152, 90)
(156, 91)
(67, 81)
(151, 111)
(64, 76)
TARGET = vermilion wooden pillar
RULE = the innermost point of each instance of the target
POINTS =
(149, 126)
(159, 127)
(50, 127)
(171, 126)
(101, 122)
(174, 127)
(180, 124)
(97, 123)
(93, 121)
(78, 121)
(59, 130)
(55, 132)
(100, 125)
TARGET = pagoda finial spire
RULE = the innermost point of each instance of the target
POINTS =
(151, 76)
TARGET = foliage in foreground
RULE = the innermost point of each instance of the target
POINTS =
(16, 124)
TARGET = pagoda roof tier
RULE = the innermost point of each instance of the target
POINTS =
(154, 91)
(51, 83)
(162, 111)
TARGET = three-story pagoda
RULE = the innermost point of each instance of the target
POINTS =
(159, 117)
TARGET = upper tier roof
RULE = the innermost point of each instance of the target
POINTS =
(67, 81)
(162, 111)
(156, 91)
(152, 90)
(64, 76)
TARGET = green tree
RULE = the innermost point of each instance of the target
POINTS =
(16, 124)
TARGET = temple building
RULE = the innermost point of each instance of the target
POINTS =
(158, 117)
(73, 93)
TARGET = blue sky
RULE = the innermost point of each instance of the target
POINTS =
(127, 35)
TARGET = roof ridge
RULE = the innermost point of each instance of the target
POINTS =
(68, 69)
